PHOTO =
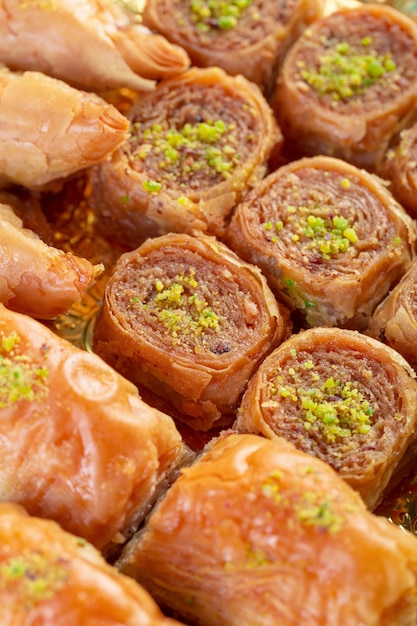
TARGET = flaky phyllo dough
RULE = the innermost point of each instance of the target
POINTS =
(258, 533)
(198, 142)
(49, 130)
(78, 444)
(342, 397)
(91, 44)
(52, 578)
(248, 37)
(184, 317)
(349, 84)
(36, 278)
(329, 237)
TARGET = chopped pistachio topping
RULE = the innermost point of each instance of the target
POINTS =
(346, 71)
(21, 378)
(309, 509)
(217, 14)
(209, 147)
(324, 234)
(33, 576)
(331, 407)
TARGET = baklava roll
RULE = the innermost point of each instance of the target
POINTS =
(349, 84)
(399, 167)
(49, 577)
(77, 443)
(36, 278)
(49, 130)
(329, 237)
(198, 142)
(258, 533)
(184, 317)
(90, 44)
(395, 319)
(343, 397)
(248, 37)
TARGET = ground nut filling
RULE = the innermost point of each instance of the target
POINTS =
(229, 25)
(307, 218)
(180, 300)
(355, 63)
(340, 405)
(191, 139)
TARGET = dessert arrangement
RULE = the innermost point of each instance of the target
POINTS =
(208, 383)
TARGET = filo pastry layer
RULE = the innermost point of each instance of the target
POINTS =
(184, 317)
(198, 143)
(329, 237)
(49, 130)
(340, 396)
(258, 533)
(35, 278)
(395, 319)
(49, 577)
(248, 38)
(349, 84)
(77, 443)
(90, 44)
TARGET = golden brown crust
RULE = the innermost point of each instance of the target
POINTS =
(349, 84)
(49, 130)
(52, 578)
(259, 533)
(112, 51)
(340, 396)
(253, 47)
(82, 448)
(186, 318)
(330, 239)
(198, 142)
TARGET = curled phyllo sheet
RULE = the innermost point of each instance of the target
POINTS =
(79, 445)
(343, 397)
(399, 167)
(36, 278)
(248, 37)
(329, 237)
(259, 533)
(198, 142)
(90, 44)
(186, 318)
(394, 321)
(49, 130)
(51, 578)
(349, 84)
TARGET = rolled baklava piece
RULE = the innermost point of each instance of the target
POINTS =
(399, 167)
(329, 237)
(52, 578)
(248, 37)
(395, 319)
(77, 443)
(349, 84)
(259, 533)
(343, 397)
(49, 130)
(36, 278)
(185, 318)
(198, 142)
(93, 44)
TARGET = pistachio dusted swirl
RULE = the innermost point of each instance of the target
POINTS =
(247, 37)
(395, 320)
(349, 84)
(198, 142)
(329, 237)
(342, 397)
(184, 318)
